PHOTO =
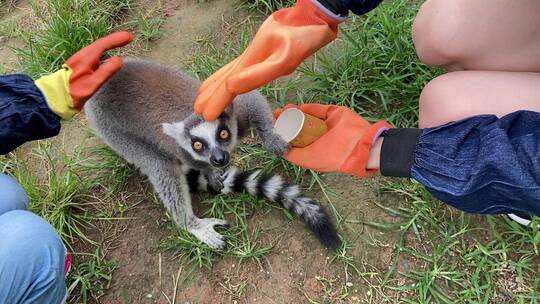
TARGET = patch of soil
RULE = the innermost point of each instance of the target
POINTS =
(290, 273)
(135, 247)
(18, 14)
(186, 22)
(7, 57)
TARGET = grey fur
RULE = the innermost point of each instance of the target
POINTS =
(144, 113)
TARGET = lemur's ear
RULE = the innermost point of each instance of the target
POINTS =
(174, 130)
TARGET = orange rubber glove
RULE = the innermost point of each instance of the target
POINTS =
(282, 42)
(344, 148)
(81, 76)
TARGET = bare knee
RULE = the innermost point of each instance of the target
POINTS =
(437, 103)
(427, 105)
(438, 34)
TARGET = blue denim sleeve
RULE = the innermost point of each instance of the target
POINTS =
(483, 164)
(342, 7)
(24, 113)
(360, 7)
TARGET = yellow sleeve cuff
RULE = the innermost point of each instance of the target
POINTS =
(55, 87)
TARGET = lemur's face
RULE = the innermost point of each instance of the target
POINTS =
(208, 142)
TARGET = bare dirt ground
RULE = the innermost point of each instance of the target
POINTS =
(186, 22)
(291, 273)
(297, 268)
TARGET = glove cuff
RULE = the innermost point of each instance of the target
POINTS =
(55, 88)
(356, 163)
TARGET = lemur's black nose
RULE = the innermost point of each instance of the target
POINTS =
(219, 158)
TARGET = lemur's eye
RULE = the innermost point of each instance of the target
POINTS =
(197, 145)
(224, 134)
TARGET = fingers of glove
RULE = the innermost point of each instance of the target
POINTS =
(93, 52)
(219, 76)
(278, 111)
(325, 155)
(214, 107)
(258, 75)
(112, 41)
(107, 70)
(216, 97)
(320, 111)
(212, 92)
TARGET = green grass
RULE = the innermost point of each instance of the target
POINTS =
(8, 29)
(242, 243)
(459, 258)
(61, 193)
(93, 277)
(452, 257)
(67, 26)
(266, 7)
(4, 6)
(149, 25)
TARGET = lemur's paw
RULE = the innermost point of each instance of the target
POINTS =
(215, 183)
(203, 229)
(275, 144)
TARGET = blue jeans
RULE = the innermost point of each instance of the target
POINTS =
(31, 252)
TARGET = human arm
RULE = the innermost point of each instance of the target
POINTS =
(31, 110)
(24, 113)
(481, 164)
(282, 42)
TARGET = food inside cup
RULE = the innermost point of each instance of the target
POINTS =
(299, 129)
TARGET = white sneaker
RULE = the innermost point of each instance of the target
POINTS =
(522, 219)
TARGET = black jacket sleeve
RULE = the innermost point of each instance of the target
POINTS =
(342, 7)
(24, 113)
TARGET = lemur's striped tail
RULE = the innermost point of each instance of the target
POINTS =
(276, 189)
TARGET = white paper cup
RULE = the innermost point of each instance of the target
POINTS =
(298, 128)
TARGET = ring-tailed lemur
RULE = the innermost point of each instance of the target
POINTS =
(144, 113)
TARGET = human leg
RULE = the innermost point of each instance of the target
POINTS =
(458, 95)
(12, 196)
(32, 255)
(495, 35)
(487, 35)
(31, 260)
